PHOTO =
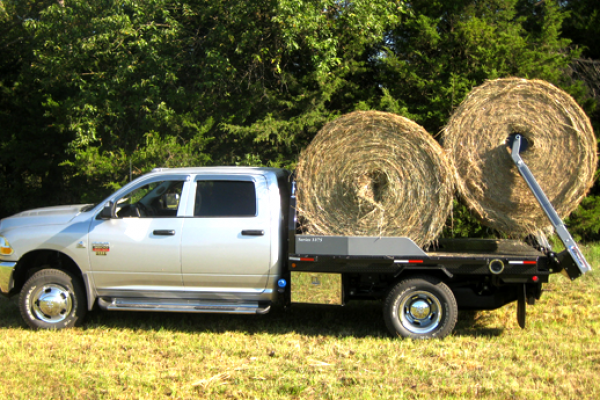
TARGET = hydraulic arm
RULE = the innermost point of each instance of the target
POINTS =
(571, 259)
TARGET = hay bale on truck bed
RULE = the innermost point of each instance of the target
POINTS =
(561, 153)
(371, 173)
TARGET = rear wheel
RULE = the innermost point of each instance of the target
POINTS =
(52, 299)
(422, 307)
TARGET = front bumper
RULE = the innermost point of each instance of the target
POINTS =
(6, 277)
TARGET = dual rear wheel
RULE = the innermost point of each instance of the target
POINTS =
(421, 307)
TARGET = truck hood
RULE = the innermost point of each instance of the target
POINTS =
(58, 215)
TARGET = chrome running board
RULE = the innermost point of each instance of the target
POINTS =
(182, 305)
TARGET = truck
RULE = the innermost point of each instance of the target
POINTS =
(226, 240)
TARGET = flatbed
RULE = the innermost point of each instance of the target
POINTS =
(423, 289)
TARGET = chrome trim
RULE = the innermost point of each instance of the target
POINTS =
(420, 312)
(182, 305)
(6, 276)
(52, 303)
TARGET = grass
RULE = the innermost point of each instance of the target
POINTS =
(311, 352)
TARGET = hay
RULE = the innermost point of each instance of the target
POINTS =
(561, 155)
(371, 173)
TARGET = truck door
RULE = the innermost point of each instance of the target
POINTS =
(139, 250)
(226, 247)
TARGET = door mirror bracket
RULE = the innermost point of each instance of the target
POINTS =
(108, 211)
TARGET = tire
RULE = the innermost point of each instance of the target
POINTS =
(421, 307)
(52, 299)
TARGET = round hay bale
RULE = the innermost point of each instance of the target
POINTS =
(561, 153)
(371, 173)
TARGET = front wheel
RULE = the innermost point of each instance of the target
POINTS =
(421, 307)
(52, 299)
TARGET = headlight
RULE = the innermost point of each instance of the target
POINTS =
(5, 249)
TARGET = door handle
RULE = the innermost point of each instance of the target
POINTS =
(253, 232)
(164, 232)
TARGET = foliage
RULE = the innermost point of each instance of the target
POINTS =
(441, 50)
(93, 92)
(462, 224)
(319, 50)
(118, 67)
(584, 223)
(31, 149)
(582, 25)
(112, 166)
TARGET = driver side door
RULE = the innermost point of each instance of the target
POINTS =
(139, 251)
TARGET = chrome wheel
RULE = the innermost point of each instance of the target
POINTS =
(420, 307)
(420, 312)
(52, 303)
(52, 299)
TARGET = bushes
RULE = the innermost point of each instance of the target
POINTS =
(92, 88)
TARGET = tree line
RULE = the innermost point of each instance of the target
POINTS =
(95, 92)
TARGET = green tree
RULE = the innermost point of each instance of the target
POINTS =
(288, 67)
(441, 50)
(31, 149)
(582, 26)
(111, 73)
(254, 80)
(95, 91)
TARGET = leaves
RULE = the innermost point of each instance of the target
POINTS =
(443, 49)
(93, 91)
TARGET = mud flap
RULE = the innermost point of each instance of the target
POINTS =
(522, 306)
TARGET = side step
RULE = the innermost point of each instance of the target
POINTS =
(183, 305)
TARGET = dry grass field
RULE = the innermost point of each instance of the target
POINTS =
(310, 352)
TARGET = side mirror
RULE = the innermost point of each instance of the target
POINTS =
(107, 211)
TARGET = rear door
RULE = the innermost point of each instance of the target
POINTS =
(226, 245)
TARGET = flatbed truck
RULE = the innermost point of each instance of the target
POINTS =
(226, 240)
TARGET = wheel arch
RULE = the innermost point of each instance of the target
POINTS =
(36, 260)
(437, 273)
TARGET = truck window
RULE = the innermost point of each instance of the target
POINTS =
(225, 199)
(155, 200)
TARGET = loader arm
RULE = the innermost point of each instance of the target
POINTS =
(571, 260)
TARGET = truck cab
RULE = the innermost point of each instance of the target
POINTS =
(192, 239)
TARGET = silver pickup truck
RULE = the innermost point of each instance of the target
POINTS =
(198, 239)
(225, 240)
